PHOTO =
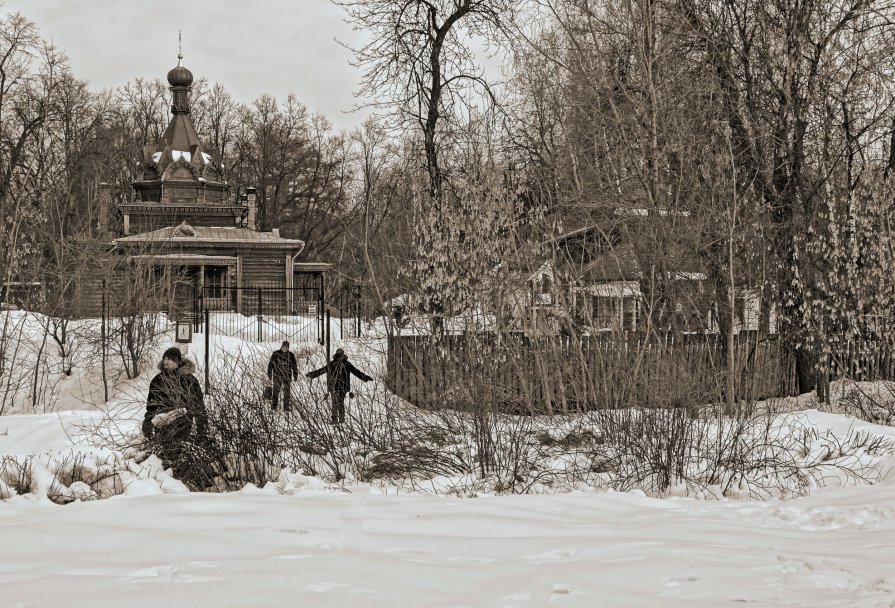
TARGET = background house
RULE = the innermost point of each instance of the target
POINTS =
(614, 262)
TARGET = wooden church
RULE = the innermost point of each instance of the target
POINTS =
(198, 238)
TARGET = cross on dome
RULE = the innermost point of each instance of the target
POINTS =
(180, 76)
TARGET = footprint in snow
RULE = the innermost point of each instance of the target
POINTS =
(677, 581)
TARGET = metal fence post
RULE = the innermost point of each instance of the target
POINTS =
(327, 334)
(103, 333)
(207, 342)
(358, 300)
(260, 329)
(197, 309)
(320, 314)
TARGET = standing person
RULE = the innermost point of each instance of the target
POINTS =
(175, 412)
(338, 382)
(281, 370)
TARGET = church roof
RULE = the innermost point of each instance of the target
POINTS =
(181, 136)
(180, 145)
(186, 235)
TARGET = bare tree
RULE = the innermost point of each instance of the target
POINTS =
(805, 102)
(23, 110)
(421, 63)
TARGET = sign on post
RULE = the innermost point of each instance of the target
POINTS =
(184, 332)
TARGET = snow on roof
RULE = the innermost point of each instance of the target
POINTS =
(187, 258)
(616, 289)
(205, 234)
(683, 275)
(642, 211)
(178, 154)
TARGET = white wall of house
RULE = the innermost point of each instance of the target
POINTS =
(747, 315)
(611, 306)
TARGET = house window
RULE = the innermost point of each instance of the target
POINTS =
(540, 291)
(546, 296)
(605, 312)
(747, 310)
(215, 281)
(580, 312)
(629, 314)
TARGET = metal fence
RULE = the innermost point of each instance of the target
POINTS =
(349, 306)
(262, 313)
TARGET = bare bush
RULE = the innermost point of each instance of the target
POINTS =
(873, 403)
(16, 476)
(14, 366)
(77, 478)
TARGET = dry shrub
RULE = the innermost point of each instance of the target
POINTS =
(16, 476)
(75, 477)
(712, 450)
(871, 402)
(382, 437)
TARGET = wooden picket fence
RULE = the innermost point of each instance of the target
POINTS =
(560, 374)
(863, 360)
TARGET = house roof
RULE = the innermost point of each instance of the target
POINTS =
(605, 205)
(615, 289)
(619, 264)
(185, 235)
(192, 259)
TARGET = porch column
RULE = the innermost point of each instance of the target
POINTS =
(201, 283)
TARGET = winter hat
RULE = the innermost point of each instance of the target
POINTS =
(174, 354)
(340, 354)
(285, 343)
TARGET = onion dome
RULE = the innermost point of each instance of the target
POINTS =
(180, 76)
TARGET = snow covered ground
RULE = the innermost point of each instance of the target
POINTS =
(302, 541)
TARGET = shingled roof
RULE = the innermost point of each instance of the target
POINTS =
(186, 235)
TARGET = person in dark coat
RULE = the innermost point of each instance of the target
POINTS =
(281, 370)
(175, 411)
(338, 382)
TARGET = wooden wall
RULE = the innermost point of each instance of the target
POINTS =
(263, 268)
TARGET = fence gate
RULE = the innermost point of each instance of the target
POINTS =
(263, 314)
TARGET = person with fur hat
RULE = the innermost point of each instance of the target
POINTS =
(338, 382)
(281, 370)
(175, 409)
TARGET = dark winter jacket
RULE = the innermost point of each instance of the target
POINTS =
(171, 390)
(282, 366)
(337, 378)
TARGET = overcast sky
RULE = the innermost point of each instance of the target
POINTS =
(250, 47)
